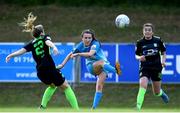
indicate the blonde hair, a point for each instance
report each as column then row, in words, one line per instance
column 28, row 23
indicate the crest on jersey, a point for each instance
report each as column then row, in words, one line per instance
column 93, row 47
column 155, row 44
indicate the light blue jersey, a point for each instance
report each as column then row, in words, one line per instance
column 95, row 45
column 99, row 55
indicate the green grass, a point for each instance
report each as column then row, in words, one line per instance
column 21, row 109
column 115, row 96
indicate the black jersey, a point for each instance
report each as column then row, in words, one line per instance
column 40, row 52
column 151, row 49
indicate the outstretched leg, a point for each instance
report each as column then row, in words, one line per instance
column 100, row 65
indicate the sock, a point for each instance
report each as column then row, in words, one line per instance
column 47, row 95
column 140, row 97
column 70, row 96
column 163, row 95
column 109, row 68
column 97, row 98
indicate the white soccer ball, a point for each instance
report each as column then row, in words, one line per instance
column 122, row 21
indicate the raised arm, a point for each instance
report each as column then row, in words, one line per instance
column 16, row 53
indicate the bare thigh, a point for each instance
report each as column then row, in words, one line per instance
column 98, row 67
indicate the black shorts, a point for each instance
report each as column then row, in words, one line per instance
column 49, row 76
column 153, row 75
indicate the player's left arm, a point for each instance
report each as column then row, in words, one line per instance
column 85, row 54
column 51, row 44
column 16, row 53
column 163, row 60
column 163, row 53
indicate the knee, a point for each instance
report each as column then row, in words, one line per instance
column 143, row 85
column 143, row 82
column 97, row 69
column 64, row 86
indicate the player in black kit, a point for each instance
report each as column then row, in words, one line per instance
column 148, row 51
column 45, row 66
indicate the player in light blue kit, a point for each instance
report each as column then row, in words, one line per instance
column 96, row 62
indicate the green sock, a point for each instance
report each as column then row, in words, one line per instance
column 140, row 97
column 47, row 95
column 70, row 96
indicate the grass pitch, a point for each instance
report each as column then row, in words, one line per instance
column 85, row 110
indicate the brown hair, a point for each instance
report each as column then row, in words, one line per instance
column 148, row 25
column 89, row 31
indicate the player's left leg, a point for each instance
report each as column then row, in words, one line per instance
column 99, row 88
column 156, row 86
column 47, row 96
column 70, row 96
column 115, row 69
column 98, row 65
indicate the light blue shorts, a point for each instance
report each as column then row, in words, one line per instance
column 91, row 69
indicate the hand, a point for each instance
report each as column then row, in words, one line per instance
column 8, row 58
column 60, row 66
column 74, row 55
column 55, row 51
column 142, row 58
column 163, row 64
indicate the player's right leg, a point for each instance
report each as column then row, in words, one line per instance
column 99, row 88
column 143, row 82
column 96, row 69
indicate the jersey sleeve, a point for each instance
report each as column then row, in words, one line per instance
column 95, row 46
column 162, row 46
column 28, row 47
column 138, row 49
column 47, row 37
column 77, row 48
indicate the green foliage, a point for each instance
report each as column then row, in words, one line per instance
column 64, row 24
column 88, row 3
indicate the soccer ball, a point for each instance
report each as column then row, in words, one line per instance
column 122, row 21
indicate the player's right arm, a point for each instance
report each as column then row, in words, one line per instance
column 140, row 58
column 138, row 52
column 16, row 53
column 70, row 55
column 64, row 61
